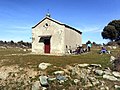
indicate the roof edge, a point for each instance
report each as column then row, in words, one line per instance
column 57, row 23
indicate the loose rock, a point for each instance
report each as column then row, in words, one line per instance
column 116, row 74
column 83, row 65
column 43, row 80
column 43, row 66
column 112, row 78
column 59, row 72
column 99, row 72
column 112, row 58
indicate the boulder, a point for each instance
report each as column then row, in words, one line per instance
column 43, row 65
column 109, row 77
column 43, row 80
column 99, row 72
column 116, row 74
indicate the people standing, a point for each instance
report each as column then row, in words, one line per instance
column 89, row 45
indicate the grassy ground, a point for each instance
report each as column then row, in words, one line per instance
column 23, row 58
column 14, row 56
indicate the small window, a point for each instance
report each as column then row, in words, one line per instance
column 46, row 24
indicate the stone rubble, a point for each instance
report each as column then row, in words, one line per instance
column 80, row 77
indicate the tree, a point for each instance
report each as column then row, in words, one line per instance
column 112, row 31
column 11, row 42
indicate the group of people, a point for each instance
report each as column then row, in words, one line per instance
column 84, row 49
column 81, row 49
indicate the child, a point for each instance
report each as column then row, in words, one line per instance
column 103, row 50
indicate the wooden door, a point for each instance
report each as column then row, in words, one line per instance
column 47, row 45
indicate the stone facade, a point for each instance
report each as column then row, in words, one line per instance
column 52, row 37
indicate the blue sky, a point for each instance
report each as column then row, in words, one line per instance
column 89, row 16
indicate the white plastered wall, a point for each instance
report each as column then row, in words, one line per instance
column 57, row 37
column 73, row 39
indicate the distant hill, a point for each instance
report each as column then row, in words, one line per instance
column 20, row 44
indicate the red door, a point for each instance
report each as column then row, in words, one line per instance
column 47, row 45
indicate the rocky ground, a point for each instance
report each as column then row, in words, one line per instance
column 71, row 77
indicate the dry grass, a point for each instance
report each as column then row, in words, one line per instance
column 60, row 61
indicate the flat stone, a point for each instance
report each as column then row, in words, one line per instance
column 43, row 66
column 83, row 65
column 109, row 77
column 59, row 72
column 116, row 74
column 99, row 72
column 51, row 79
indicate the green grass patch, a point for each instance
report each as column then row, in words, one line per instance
column 61, row 61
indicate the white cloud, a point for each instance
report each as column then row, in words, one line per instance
column 22, row 27
column 92, row 29
column 18, row 29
